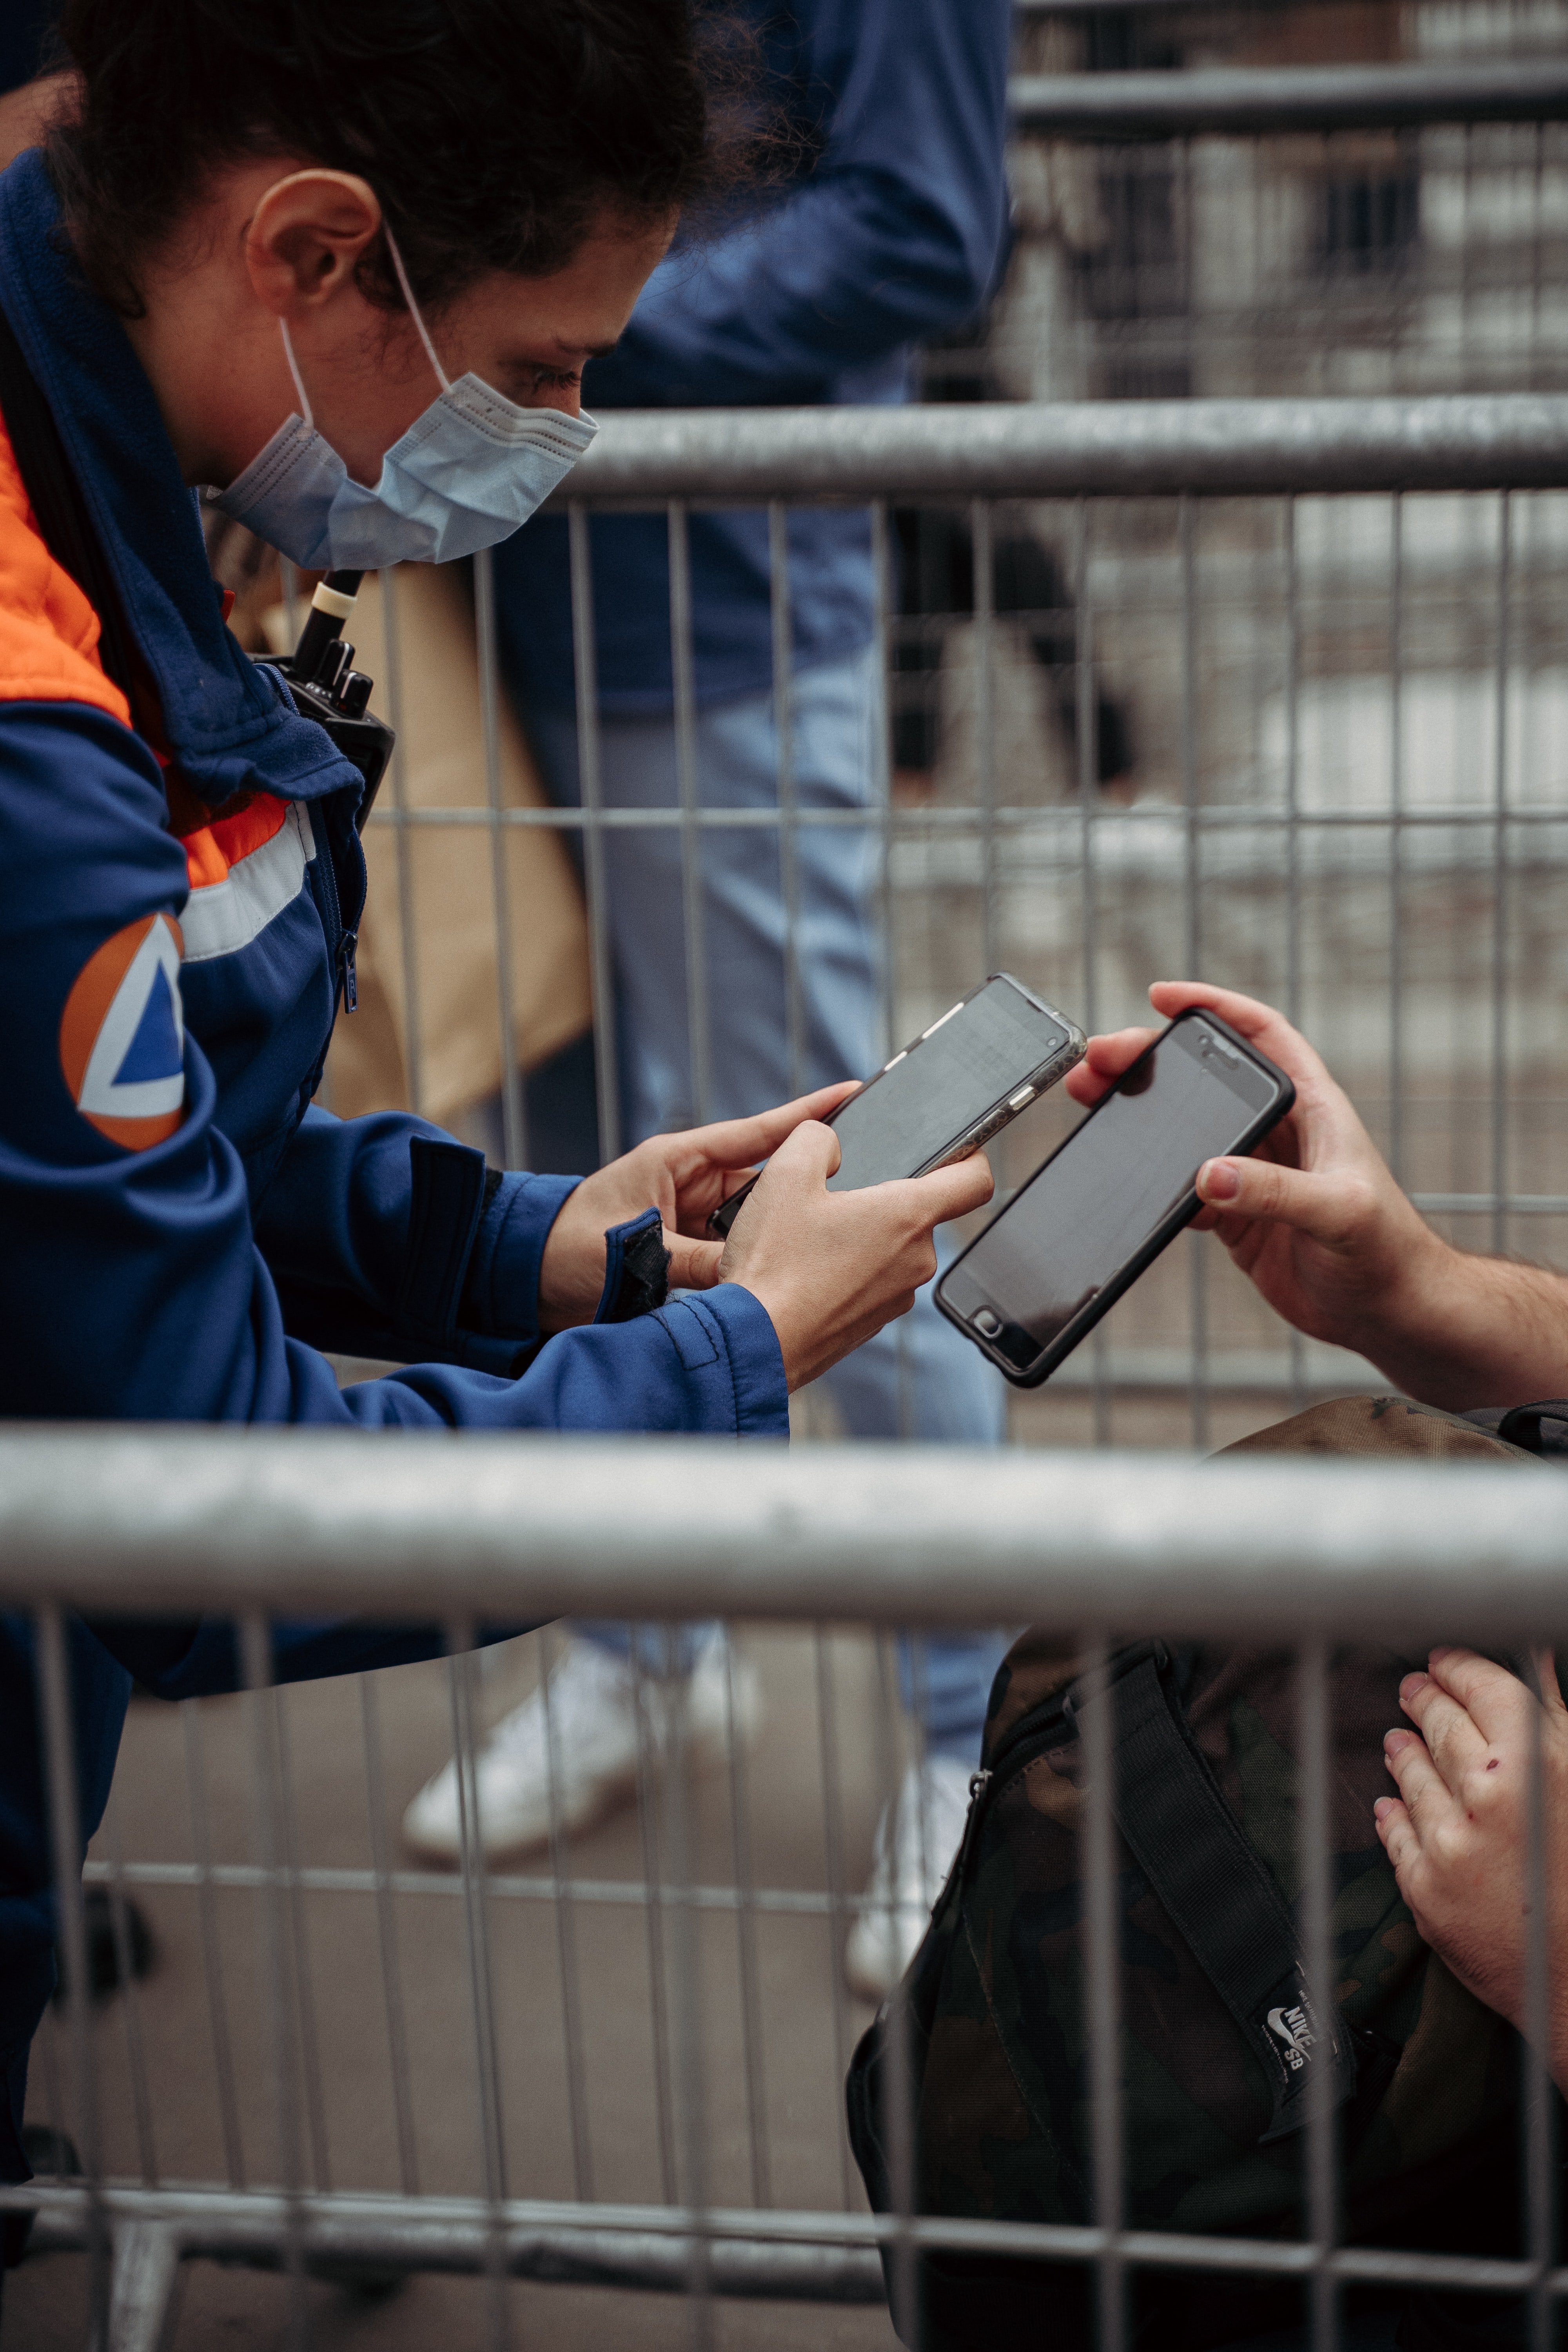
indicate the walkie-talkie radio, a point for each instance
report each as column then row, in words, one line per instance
column 325, row 685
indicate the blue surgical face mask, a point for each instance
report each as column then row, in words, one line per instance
column 467, row 473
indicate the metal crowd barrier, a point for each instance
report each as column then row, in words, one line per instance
column 253, row 1525
column 1255, row 229
column 1253, row 101
column 1339, row 630
column 1336, row 629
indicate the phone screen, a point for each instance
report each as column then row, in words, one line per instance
column 1094, row 1203
column 970, row 1061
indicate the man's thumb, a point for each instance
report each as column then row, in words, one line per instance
column 1317, row 1205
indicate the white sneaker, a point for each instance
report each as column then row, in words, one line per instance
column 916, row 1844
column 593, row 1718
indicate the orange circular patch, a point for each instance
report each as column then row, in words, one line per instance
column 108, row 999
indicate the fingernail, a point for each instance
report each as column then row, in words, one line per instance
column 1384, row 1805
column 1412, row 1684
column 1393, row 1741
column 1219, row 1179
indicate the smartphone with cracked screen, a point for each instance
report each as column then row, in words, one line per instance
column 959, row 1083
column 1099, row 1210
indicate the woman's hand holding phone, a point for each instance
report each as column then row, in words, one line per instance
column 684, row 1176
column 831, row 1268
column 1313, row 1216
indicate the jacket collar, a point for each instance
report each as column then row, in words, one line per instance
column 227, row 723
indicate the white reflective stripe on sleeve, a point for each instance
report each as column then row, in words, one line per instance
column 225, row 916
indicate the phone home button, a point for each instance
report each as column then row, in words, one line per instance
column 989, row 1324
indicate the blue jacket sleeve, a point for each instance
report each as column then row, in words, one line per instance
column 895, row 236
column 382, row 1241
column 131, row 1286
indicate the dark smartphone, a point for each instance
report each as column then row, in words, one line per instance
column 956, row 1086
column 1111, row 1198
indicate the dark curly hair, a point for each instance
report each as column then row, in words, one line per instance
column 494, row 132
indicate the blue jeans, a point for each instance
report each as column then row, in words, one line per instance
column 919, row 1377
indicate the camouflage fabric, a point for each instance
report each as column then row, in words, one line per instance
column 993, row 2005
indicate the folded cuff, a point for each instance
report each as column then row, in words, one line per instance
column 502, row 1289
column 729, row 1326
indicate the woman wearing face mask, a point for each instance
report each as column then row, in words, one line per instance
column 342, row 268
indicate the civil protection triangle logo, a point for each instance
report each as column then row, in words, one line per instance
column 122, row 1036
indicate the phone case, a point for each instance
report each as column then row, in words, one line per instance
column 991, row 1123
column 1165, row 1234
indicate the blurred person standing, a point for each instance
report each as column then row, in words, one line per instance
column 888, row 231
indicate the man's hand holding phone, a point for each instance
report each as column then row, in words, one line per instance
column 1317, row 1221
column 831, row 1268
column 1313, row 1216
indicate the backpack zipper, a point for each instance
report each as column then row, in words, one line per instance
column 978, row 1784
column 1054, row 1722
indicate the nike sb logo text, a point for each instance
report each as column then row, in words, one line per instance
column 1292, row 2027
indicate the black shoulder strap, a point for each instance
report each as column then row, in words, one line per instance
column 1216, row 1888
column 56, row 499
column 1523, row 1425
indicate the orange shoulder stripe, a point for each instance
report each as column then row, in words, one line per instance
column 48, row 653
column 48, row 631
column 213, row 844
column 213, row 849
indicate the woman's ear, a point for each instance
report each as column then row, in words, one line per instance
column 305, row 237
column 26, row 114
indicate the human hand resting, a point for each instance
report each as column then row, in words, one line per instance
column 1314, row 1217
column 1457, row 1831
column 832, row 1267
column 685, row 1177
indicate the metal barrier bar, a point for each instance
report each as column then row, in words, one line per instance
column 793, row 2256
column 1498, row 1170
column 1312, row 1703
column 591, row 787
column 298, row 1521
column 1247, row 101
column 782, row 616
column 565, row 1938
column 1155, row 816
column 1102, row 1962
column 64, row 1814
column 255, row 1649
column 205, row 1879
column 382, row 1880
column 689, row 783
column 1192, row 931
column 514, row 1130
column 1113, row 449
column 1202, row 9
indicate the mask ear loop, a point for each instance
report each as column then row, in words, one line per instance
column 305, row 409
column 442, row 378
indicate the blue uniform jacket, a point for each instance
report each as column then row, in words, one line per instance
column 181, row 1228
column 892, row 235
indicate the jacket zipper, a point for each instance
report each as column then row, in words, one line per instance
column 345, row 978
